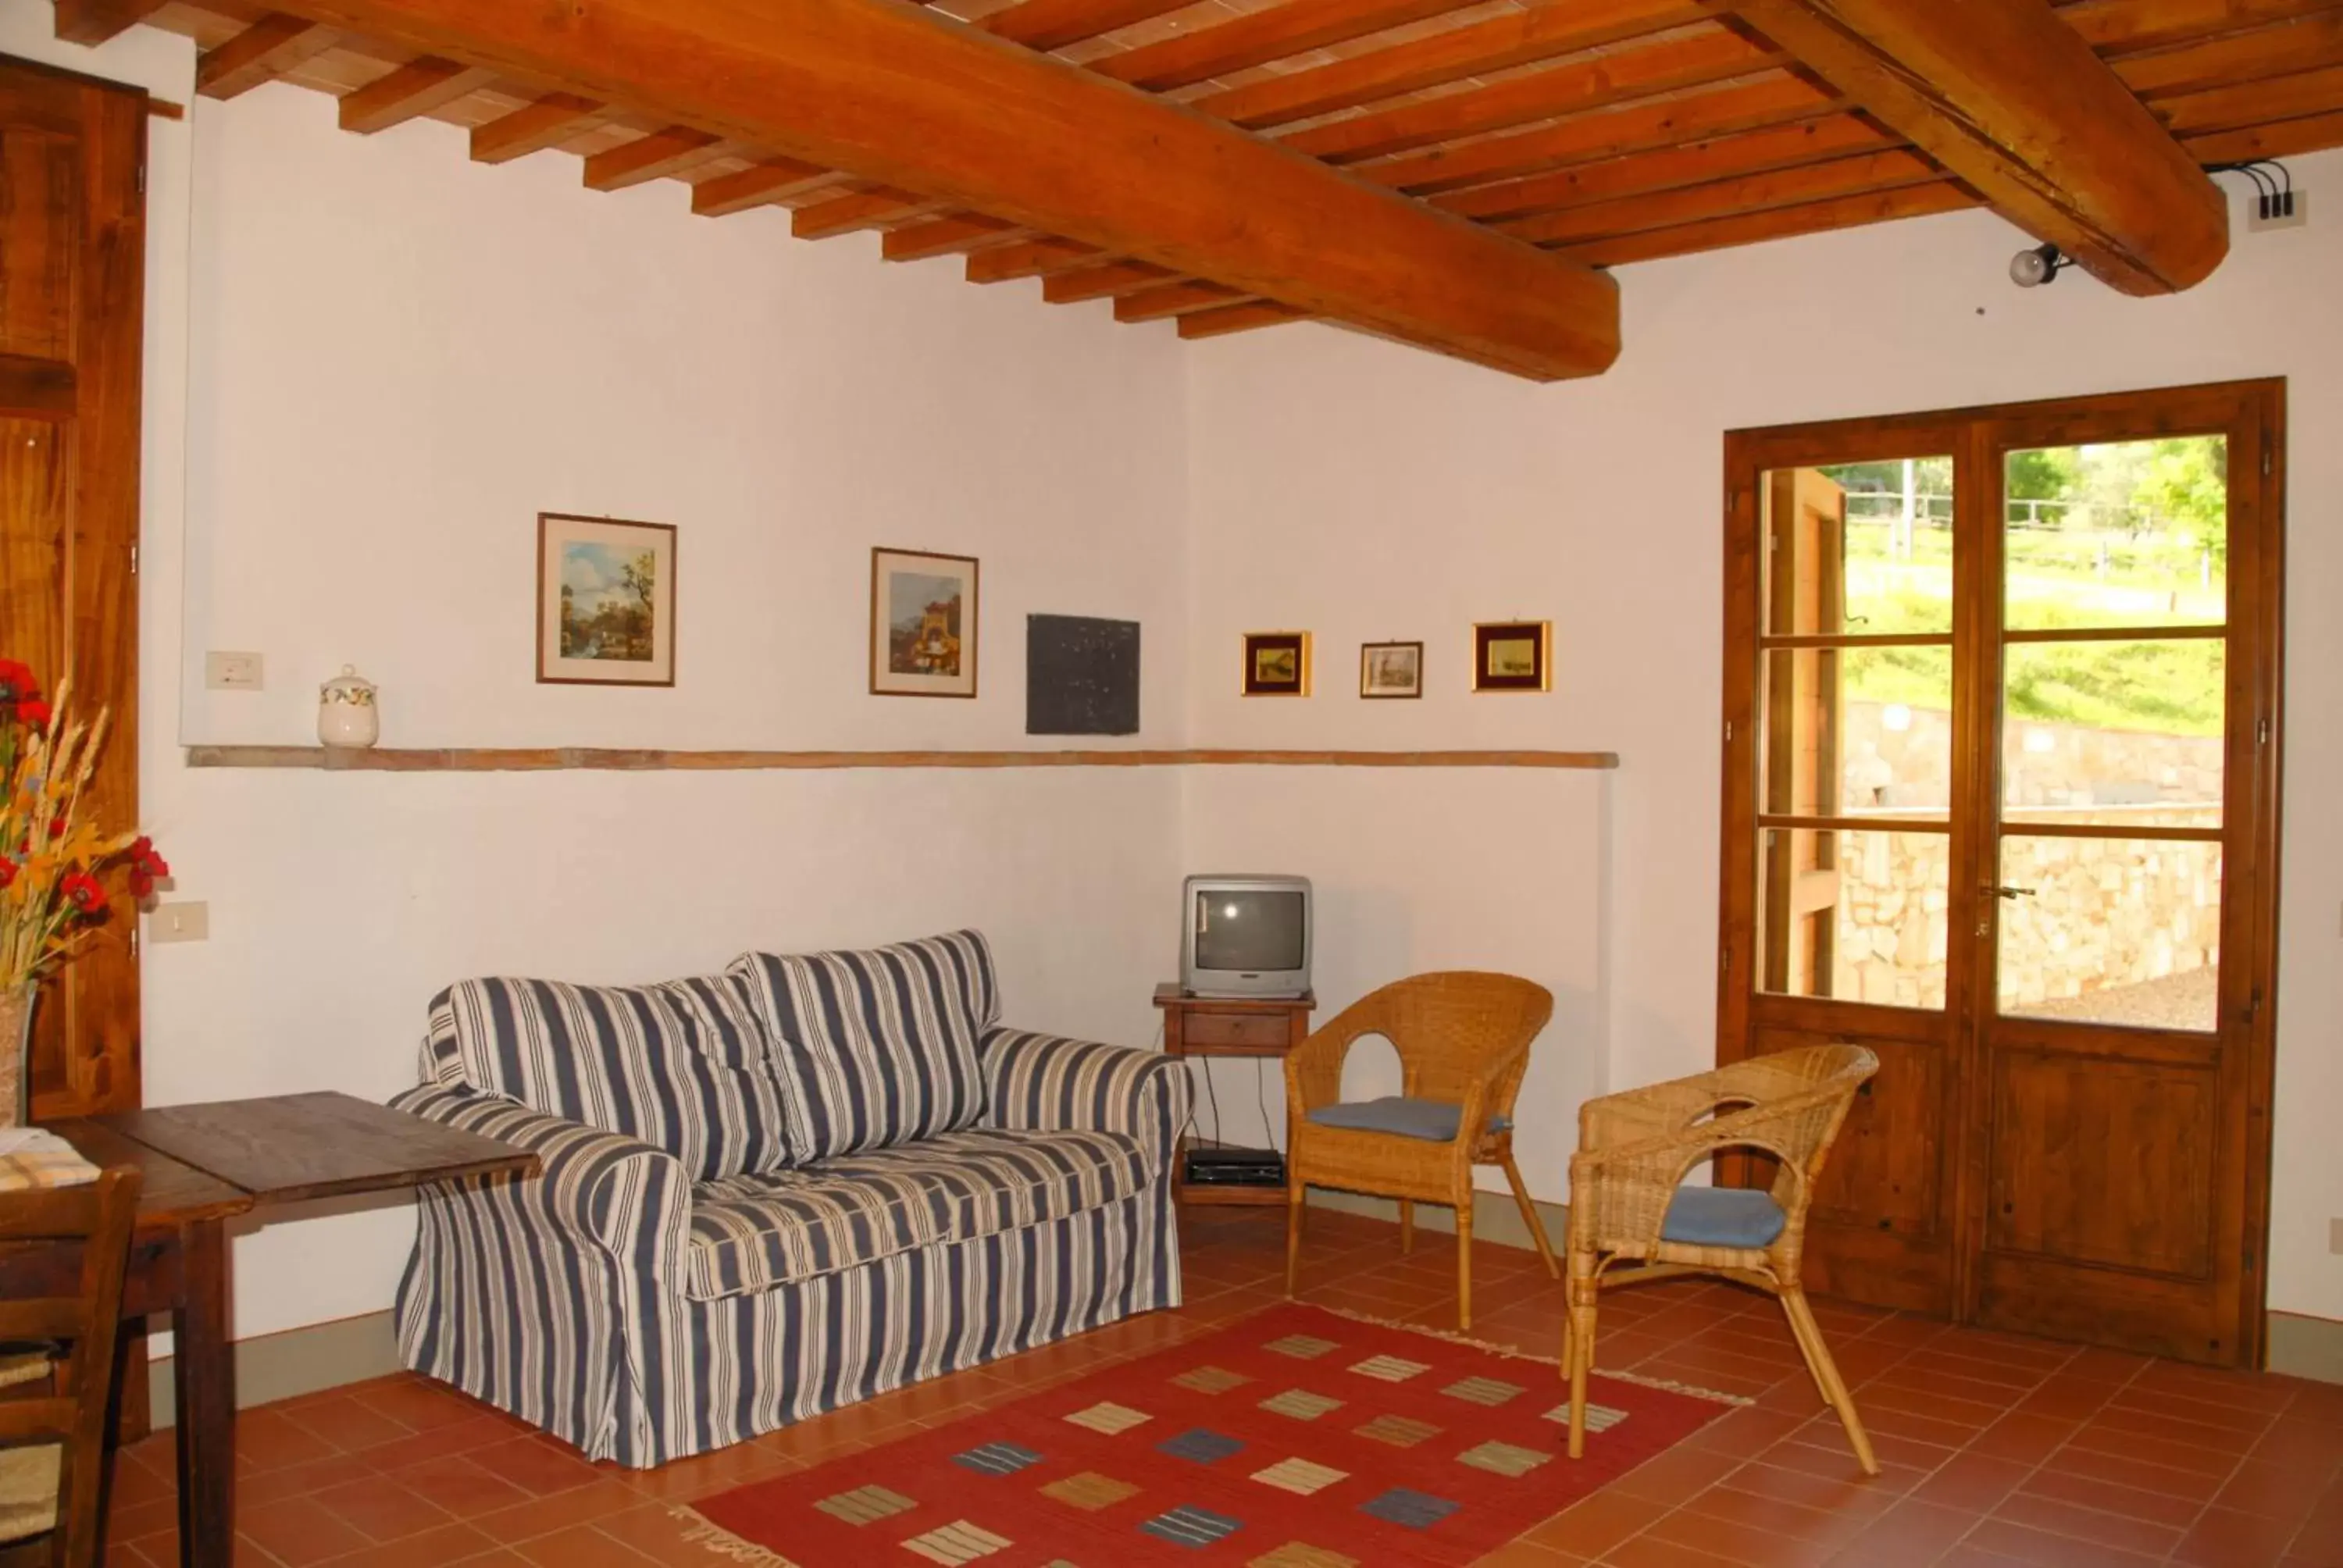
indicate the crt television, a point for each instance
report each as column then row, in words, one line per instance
column 1245, row 936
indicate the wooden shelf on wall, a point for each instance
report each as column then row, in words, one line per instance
column 538, row 759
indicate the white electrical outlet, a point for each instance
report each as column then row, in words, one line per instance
column 2291, row 211
column 185, row 921
column 231, row 671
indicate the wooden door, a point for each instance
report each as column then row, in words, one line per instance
column 73, row 252
column 2046, row 713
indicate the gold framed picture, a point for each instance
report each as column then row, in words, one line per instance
column 605, row 601
column 1277, row 664
column 923, row 621
column 1390, row 670
column 1513, row 655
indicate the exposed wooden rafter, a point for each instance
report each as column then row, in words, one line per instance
column 655, row 156
column 261, row 52
column 910, row 99
column 408, row 92
column 96, row 21
column 533, row 127
column 2012, row 100
column 762, row 184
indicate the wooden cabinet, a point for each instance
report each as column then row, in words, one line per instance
column 1224, row 1026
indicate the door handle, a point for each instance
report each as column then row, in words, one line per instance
column 2008, row 892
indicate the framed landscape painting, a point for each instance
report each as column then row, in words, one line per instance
column 922, row 624
column 605, row 601
column 1390, row 670
column 1277, row 664
column 1513, row 655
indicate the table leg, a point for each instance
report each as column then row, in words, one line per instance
column 205, row 1376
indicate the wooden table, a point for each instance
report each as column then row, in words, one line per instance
column 1230, row 1026
column 202, row 1166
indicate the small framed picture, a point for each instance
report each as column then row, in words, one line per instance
column 922, row 624
column 1390, row 670
column 1513, row 655
column 1277, row 664
column 605, row 601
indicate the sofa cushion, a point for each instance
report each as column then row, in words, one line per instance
column 1723, row 1217
column 750, row 1232
column 878, row 1046
column 682, row 1066
column 1433, row 1121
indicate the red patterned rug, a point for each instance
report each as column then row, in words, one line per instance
column 1296, row 1438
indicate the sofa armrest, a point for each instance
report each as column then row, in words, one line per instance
column 620, row 1193
column 1044, row 1081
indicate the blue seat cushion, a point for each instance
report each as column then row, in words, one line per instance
column 1723, row 1217
column 1433, row 1121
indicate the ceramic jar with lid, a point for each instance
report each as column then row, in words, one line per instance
column 347, row 714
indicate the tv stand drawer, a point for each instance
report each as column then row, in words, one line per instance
column 1235, row 1030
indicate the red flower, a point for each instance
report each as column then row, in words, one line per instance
column 141, row 885
column 81, row 891
column 34, row 712
column 144, row 859
column 17, row 682
column 56, row 827
column 7, row 871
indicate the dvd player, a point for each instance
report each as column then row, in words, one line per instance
column 1227, row 1165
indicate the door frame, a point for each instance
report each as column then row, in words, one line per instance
column 2250, row 857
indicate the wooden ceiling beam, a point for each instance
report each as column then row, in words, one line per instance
column 955, row 234
column 2013, row 101
column 2123, row 26
column 763, row 184
column 1863, row 173
column 1256, row 37
column 1167, row 300
column 897, row 95
column 551, row 121
column 2285, row 139
column 1029, row 258
column 412, row 90
column 652, row 158
column 2302, row 44
column 1782, row 222
column 97, row 21
column 858, row 210
column 2257, row 103
column 1047, row 24
column 1500, row 44
column 1776, row 99
column 1230, row 319
column 1693, row 59
column 1109, row 280
column 1670, row 169
column 261, row 52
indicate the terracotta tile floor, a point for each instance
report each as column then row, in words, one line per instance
column 1998, row 1451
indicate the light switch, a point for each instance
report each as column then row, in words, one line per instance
column 231, row 671
column 185, row 921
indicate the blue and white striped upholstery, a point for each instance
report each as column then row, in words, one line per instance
column 681, row 1066
column 566, row 1302
column 878, row 1046
column 752, row 1232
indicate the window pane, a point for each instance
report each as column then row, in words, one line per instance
column 1853, row 730
column 2112, row 930
column 1859, row 548
column 2132, row 533
column 1859, row 916
column 2119, row 732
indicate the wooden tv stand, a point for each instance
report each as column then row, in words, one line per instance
column 1230, row 1026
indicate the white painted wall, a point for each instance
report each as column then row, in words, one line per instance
column 1365, row 491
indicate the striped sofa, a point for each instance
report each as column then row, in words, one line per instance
column 776, row 1190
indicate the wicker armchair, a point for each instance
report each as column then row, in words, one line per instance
column 1463, row 1041
column 1626, row 1206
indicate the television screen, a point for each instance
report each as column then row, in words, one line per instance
column 1249, row 932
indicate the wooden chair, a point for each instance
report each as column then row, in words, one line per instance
column 1463, row 1041
column 1627, row 1206
column 53, row 1422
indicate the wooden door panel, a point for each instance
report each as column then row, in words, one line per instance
column 73, row 250
column 2104, row 1161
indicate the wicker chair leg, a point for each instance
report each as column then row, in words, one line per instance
column 1825, row 1370
column 1407, row 1225
column 1297, row 1196
column 1464, row 1260
column 1580, row 1353
column 1530, row 1218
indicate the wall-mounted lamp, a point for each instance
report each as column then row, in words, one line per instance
column 2041, row 264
